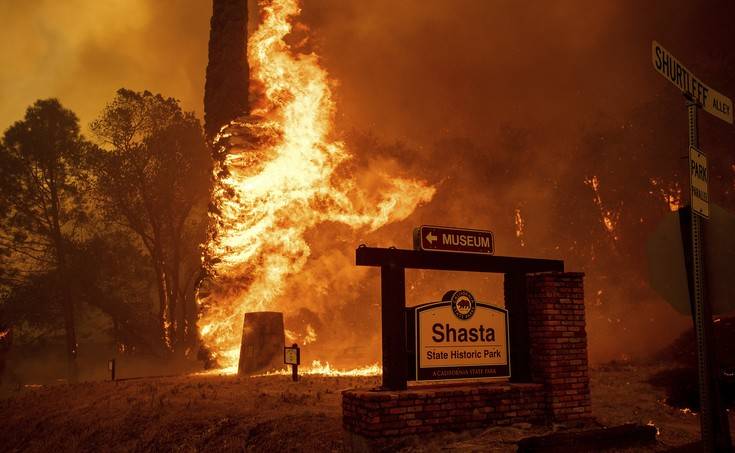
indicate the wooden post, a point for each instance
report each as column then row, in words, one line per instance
column 295, row 366
column 393, row 320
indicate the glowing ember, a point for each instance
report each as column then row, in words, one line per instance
column 317, row 369
column 277, row 180
column 520, row 227
column 326, row 370
column 651, row 423
column 310, row 336
column 609, row 217
column 671, row 194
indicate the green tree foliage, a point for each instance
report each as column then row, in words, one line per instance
column 153, row 177
column 42, row 181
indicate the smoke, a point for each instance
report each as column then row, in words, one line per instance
column 509, row 108
column 500, row 105
column 82, row 51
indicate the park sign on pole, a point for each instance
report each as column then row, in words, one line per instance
column 292, row 356
column 698, row 178
column 447, row 239
column 713, row 418
column 461, row 339
column 710, row 100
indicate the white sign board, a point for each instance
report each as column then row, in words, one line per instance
column 710, row 100
column 461, row 339
column 291, row 356
column 698, row 179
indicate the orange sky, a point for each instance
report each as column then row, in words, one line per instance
column 413, row 70
column 81, row 51
column 408, row 68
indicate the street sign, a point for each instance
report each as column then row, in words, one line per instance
column 698, row 179
column 710, row 100
column 667, row 268
column 447, row 239
column 461, row 339
column 713, row 419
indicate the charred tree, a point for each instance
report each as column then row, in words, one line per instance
column 226, row 88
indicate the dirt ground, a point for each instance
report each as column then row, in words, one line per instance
column 271, row 413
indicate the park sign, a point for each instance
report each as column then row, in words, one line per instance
column 710, row 100
column 447, row 239
column 698, row 178
column 461, row 339
column 292, row 355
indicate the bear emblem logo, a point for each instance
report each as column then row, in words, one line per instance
column 463, row 304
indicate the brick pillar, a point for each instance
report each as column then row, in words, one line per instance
column 558, row 343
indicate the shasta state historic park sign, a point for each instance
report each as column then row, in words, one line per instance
column 461, row 339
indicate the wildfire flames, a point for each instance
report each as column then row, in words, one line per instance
column 671, row 195
column 520, row 226
column 609, row 217
column 318, row 369
column 282, row 174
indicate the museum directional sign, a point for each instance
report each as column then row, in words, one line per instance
column 461, row 339
column 447, row 239
column 711, row 101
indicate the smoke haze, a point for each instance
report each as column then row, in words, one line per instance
column 507, row 108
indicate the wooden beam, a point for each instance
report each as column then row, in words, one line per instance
column 393, row 326
column 452, row 261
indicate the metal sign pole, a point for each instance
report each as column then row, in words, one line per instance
column 714, row 430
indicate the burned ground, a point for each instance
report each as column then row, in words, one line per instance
column 227, row 413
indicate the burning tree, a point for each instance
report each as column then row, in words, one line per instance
column 153, row 178
column 280, row 174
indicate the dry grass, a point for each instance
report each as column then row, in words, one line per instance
column 226, row 413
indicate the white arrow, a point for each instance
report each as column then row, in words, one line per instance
column 431, row 238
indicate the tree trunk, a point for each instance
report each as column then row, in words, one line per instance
column 162, row 299
column 173, row 300
column 69, row 325
column 67, row 305
column 63, row 281
column 189, row 308
column 226, row 87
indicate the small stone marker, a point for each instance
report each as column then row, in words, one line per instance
column 262, row 342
